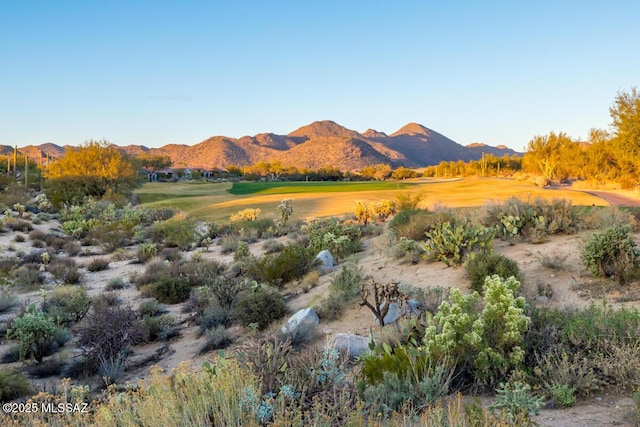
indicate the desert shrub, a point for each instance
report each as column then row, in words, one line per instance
column 46, row 369
column 38, row 244
column 611, row 216
column 54, row 241
column 105, row 299
column 72, row 248
column 612, row 253
column 553, row 261
column 16, row 224
column 160, row 327
column 413, row 224
column 178, row 231
column 348, row 282
column 212, row 316
column 310, row 280
column 29, row 276
column 620, row 365
column 11, row 354
column 65, row 271
column 341, row 239
column 13, row 384
column 265, row 357
column 455, row 243
column 8, row 299
column 397, row 392
column 260, row 306
column 67, row 304
column 98, row 264
column 171, row 290
column 575, row 371
column 100, row 343
column 242, row 251
column 331, row 308
column 116, row 283
column 229, row 243
column 515, row 400
column 563, row 395
column 151, row 308
column 362, row 212
column 408, row 249
column 170, row 254
column 383, row 209
column 216, row 338
column 487, row 264
column 484, row 333
column 249, row 214
column 35, row 332
column 278, row 269
column 271, row 246
column 146, row 251
column 19, row 238
column 516, row 219
column 561, row 216
column 407, row 201
column 37, row 235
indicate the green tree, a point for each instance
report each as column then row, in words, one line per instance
column 625, row 113
column 152, row 163
column 91, row 170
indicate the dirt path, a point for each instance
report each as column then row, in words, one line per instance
column 616, row 199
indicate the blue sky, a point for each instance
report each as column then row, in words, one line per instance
column 160, row 72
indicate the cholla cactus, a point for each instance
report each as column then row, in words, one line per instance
column 286, row 209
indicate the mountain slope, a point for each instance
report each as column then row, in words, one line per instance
column 315, row 145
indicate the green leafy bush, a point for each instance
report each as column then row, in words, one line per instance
column 516, row 401
column 455, row 243
column 487, row 264
column 341, row 239
column 13, row 384
column 67, row 304
column 178, row 231
column 348, row 283
column 146, row 251
column 159, row 327
column 486, row 333
column 35, row 332
column 260, row 306
column 278, row 269
column 612, row 253
column 408, row 249
column 563, row 395
column 171, row 290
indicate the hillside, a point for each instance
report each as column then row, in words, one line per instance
column 318, row 144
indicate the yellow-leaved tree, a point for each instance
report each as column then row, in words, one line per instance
column 94, row 169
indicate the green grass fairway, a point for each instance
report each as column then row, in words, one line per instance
column 216, row 202
column 241, row 188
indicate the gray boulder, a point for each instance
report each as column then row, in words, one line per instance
column 301, row 325
column 353, row 345
column 326, row 259
column 392, row 315
column 413, row 308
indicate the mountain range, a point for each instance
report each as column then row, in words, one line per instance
column 318, row 144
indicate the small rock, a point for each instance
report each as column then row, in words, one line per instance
column 353, row 345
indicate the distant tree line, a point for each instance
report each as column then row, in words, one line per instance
column 276, row 171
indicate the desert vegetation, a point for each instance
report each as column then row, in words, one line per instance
column 495, row 332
